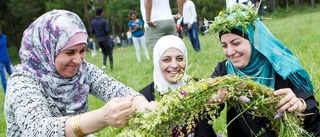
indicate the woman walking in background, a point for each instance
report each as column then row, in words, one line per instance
column 135, row 27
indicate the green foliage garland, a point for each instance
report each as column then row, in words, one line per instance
column 188, row 103
column 238, row 15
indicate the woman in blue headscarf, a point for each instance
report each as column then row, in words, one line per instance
column 253, row 51
column 48, row 92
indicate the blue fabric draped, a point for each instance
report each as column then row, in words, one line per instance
column 268, row 56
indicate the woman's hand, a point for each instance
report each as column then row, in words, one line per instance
column 220, row 97
column 117, row 111
column 152, row 105
column 289, row 102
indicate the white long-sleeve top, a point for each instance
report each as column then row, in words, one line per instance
column 160, row 11
column 189, row 12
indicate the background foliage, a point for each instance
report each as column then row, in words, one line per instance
column 16, row 15
column 298, row 30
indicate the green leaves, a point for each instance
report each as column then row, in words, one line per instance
column 188, row 103
column 238, row 15
column 157, row 94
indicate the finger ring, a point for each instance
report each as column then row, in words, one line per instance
column 291, row 103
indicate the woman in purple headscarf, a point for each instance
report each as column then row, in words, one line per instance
column 47, row 94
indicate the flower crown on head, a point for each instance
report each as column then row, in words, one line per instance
column 238, row 15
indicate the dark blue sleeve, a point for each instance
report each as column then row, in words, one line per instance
column 106, row 27
column 92, row 30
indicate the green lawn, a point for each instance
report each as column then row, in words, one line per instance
column 300, row 33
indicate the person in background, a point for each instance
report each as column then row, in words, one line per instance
column 231, row 3
column 257, row 5
column 252, row 51
column 179, row 31
column 201, row 26
column 135, row 27
column 158, row 19
column 100, row 28
column 118, row 41
column 112, row 45
column 92, row 47
column 170, row 59
column 48, row 92
column 123, row 40
column 5, row 63
column 206, row 24
column 129, row 37
column 190, row 23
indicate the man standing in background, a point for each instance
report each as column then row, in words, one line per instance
column 5, row 63
column 190, row 22
column 158, row 20
column 100, row 28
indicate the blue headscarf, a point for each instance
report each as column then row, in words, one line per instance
column 268, row 56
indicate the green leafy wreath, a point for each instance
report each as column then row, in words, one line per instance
column 188, row 103
column 238, row 15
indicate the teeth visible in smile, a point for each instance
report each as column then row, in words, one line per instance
column 173, row 72
column 235, row 57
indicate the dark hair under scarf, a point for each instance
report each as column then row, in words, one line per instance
column 235, row 31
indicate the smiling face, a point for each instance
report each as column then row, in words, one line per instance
column 133, row 16
column 68, row 61
column 171, row 63
column 237, row 49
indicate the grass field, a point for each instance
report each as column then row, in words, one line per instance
column 299, row 32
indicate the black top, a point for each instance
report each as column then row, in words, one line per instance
column 245, row 125
column 122, row 37
column 100, row 28
column 203, row 129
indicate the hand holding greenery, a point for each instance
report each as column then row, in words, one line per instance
column 188, row 103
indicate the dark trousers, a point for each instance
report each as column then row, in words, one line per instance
column 5, row 66
column 106, row 49
column 193, row 36
column 180, row 34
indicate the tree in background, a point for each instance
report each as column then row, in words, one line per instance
column 16, row 15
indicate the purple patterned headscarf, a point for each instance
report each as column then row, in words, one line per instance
column 41, row 43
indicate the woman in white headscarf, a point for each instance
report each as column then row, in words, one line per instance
column 170, row 59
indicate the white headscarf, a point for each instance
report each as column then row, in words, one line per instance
column 164, row 43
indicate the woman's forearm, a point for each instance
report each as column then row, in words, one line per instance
column 89, row 123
